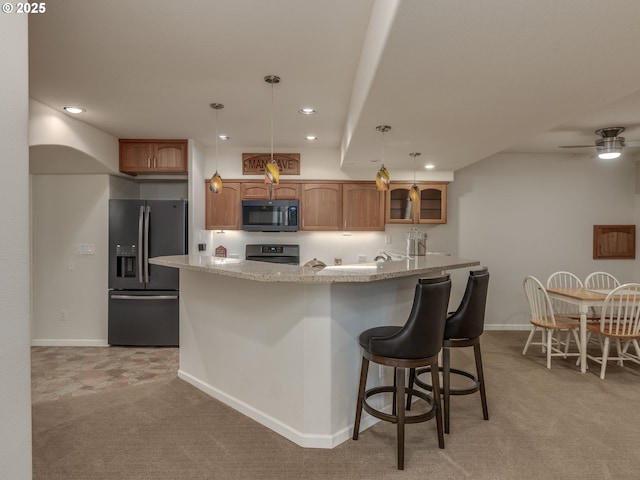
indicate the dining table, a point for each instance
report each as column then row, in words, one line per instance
column 584, row 298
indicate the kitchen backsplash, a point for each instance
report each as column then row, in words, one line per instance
column 351, row 247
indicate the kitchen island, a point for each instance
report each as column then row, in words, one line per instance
column 279, row 343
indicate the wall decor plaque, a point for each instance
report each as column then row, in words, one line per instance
column 614, row 241
column 254, row 163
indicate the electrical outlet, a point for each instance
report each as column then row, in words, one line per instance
column 387, row 239
column 64, row 314
column 380, row 371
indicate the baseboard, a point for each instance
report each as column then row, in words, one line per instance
column 496, row 326
column 299, row 438
column 65, row 342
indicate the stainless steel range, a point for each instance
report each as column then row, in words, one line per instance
column 287, row 254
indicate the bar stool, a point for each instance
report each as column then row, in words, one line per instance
column 416, row 344
column 463, row 328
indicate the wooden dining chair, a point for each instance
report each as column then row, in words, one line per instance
column 619, row 321
column 599, row 281
column 544, row 319
column 564, row 279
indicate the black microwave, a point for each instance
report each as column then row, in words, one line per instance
column 270, row 215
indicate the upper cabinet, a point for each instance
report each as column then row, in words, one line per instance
column 222, row 210
column 362, row 206
column 153, row 156
column 284, row 191
column 431, row 208
column 321, row 206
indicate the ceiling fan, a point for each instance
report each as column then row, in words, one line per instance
column 610, row 145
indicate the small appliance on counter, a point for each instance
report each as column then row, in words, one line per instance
column 315, row 264
column 286, row 254
column 143, row 298
column 416, row 243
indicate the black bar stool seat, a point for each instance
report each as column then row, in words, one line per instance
column 416, row 344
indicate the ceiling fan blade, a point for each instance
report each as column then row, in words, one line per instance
column 576, row 146
column 632, row 143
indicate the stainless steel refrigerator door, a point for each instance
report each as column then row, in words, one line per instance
column 143, row 318
column 167, row 235
column 125, row 249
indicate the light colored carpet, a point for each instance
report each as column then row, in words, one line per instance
column 543, row 423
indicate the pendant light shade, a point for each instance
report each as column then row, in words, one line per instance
column 414, row 192
column 382, row 177
column 271, row 170
column 215, row 184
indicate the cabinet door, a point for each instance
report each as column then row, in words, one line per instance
column 262, row 190
column 321, row 206
column 222, row 210
column 254, row 190
column 286, row 191
column 433, row 204
column 136, row 157
column 362, row 207
column 399, row 208
column 170, row 157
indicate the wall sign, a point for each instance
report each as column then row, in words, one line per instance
column 254, row 163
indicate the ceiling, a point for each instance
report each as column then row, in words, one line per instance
column 457, row 81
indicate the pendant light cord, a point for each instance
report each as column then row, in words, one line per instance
column 272, row 122
column 216, row 140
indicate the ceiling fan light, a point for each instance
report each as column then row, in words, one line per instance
column 609, row 154
column 610, row 148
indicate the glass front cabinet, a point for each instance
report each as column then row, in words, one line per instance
column 431, row 207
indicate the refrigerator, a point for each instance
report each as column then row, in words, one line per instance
column 143, row 298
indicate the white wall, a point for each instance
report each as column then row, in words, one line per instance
column 69, row 210
column 15, row 373
column 52, row 127
column 526, row 214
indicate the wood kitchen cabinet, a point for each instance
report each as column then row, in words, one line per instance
column 321, row 206
column 362, row 206
column 153, row 156
column 261, row 190
column 222, row 210
column 431, row 208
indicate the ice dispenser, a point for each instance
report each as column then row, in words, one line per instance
column 126, row 260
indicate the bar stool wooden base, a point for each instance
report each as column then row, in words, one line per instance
column 401, row 393
column 477, row 381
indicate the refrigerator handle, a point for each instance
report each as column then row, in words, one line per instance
column 146, row 244
column 140, row 244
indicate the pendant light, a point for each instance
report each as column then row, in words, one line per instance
column 414, row 193
column 382, row 177
column 215, row 184
column 271, row 170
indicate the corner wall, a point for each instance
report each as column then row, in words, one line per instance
column 69, row 288
column 533, row 214
column 15, row 364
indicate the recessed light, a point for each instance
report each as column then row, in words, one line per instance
column 307, row 111
column 429, row 166
column 72, row 109
column 224, row 137
column 311, row 137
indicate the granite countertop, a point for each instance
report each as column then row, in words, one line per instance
column 274, row 272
